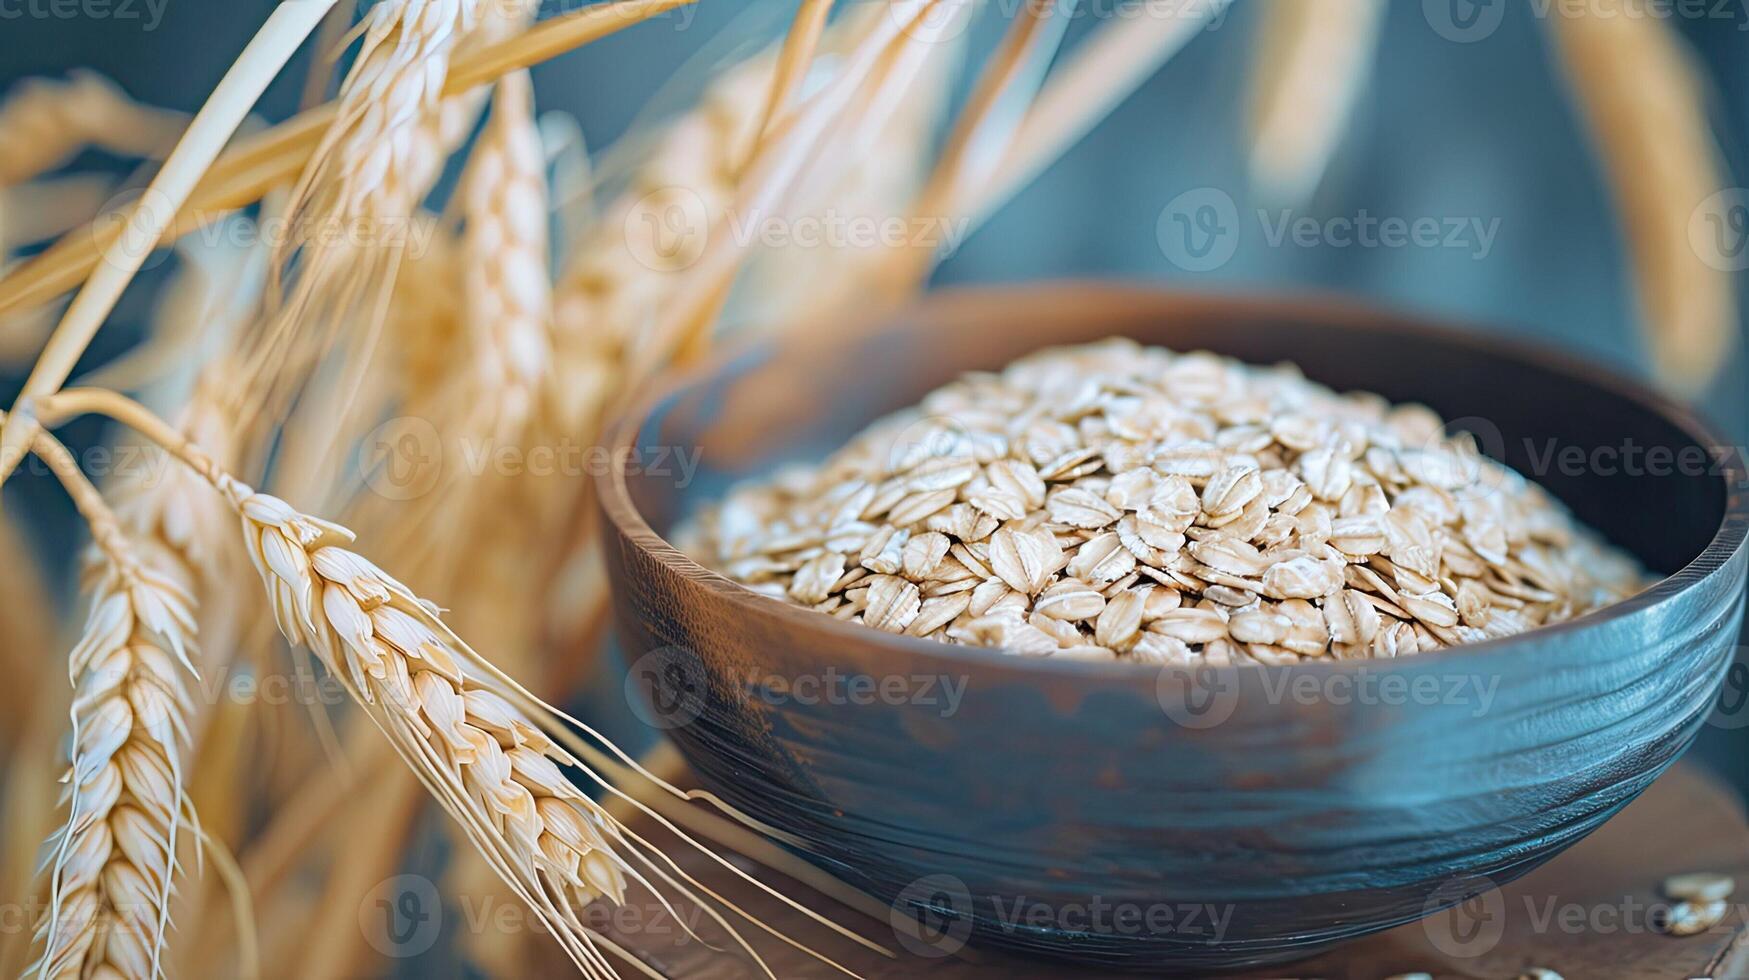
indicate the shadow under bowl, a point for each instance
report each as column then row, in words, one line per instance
column 1124, row 816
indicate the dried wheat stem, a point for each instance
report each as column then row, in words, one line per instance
column 775, row 170
column 482, row 745
column 393, row 130
column 43, row 122
column 985, row 127
column 792, row 66
column 1645, row 102
column 1094, row 79
column 365, row 166
column 30, row 631
column 1312, row 60
column 277, row 156
column 223, row 112
column 113, row 863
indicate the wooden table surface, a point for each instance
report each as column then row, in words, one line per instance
column 1586, row 914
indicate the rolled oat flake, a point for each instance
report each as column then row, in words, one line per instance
column 1113, row 501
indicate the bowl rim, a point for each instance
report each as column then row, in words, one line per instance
column 614, row 496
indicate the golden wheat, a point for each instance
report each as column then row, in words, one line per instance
column 507, row 302
column 112, row 865
column 43, row 122
column 1311, row 62
column 1644, row 99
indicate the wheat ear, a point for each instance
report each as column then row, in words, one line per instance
column 1645, row 103
column 112, row 866
column 486, row 749
column 371, row 161
column 1312, row 60
column 508, row 302
column 44, row 121
column 274, row 158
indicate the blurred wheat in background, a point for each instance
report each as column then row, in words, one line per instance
column 426, row 260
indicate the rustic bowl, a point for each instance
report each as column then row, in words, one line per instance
column 1124, row 816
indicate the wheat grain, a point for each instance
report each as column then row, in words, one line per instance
column 1312, row 60
column 1119, row 501
column 115, row 859
column 374, row 158
column 492, row 766
column 113, row 864
column 1691, row 918
column 508, row 308
column 1645, row 102
column 1700, row 886
column 496, row 772
column 494, row 757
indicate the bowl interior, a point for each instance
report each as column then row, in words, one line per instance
column 1635, row 467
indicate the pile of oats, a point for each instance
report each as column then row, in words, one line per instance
column 1112, row 500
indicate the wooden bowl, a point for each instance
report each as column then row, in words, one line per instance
column 1124, row 816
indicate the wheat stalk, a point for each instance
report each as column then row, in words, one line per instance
column 493, row 755
column 33, row 696
column 507, row 300
column 218, row 119
column 1312, row 59
column 1645, row 103
column 481, row 390
column 30, row 631
column 269, row 160
column 113, row 863
column 44, row 122
column 618, row 318
column 376, row 159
